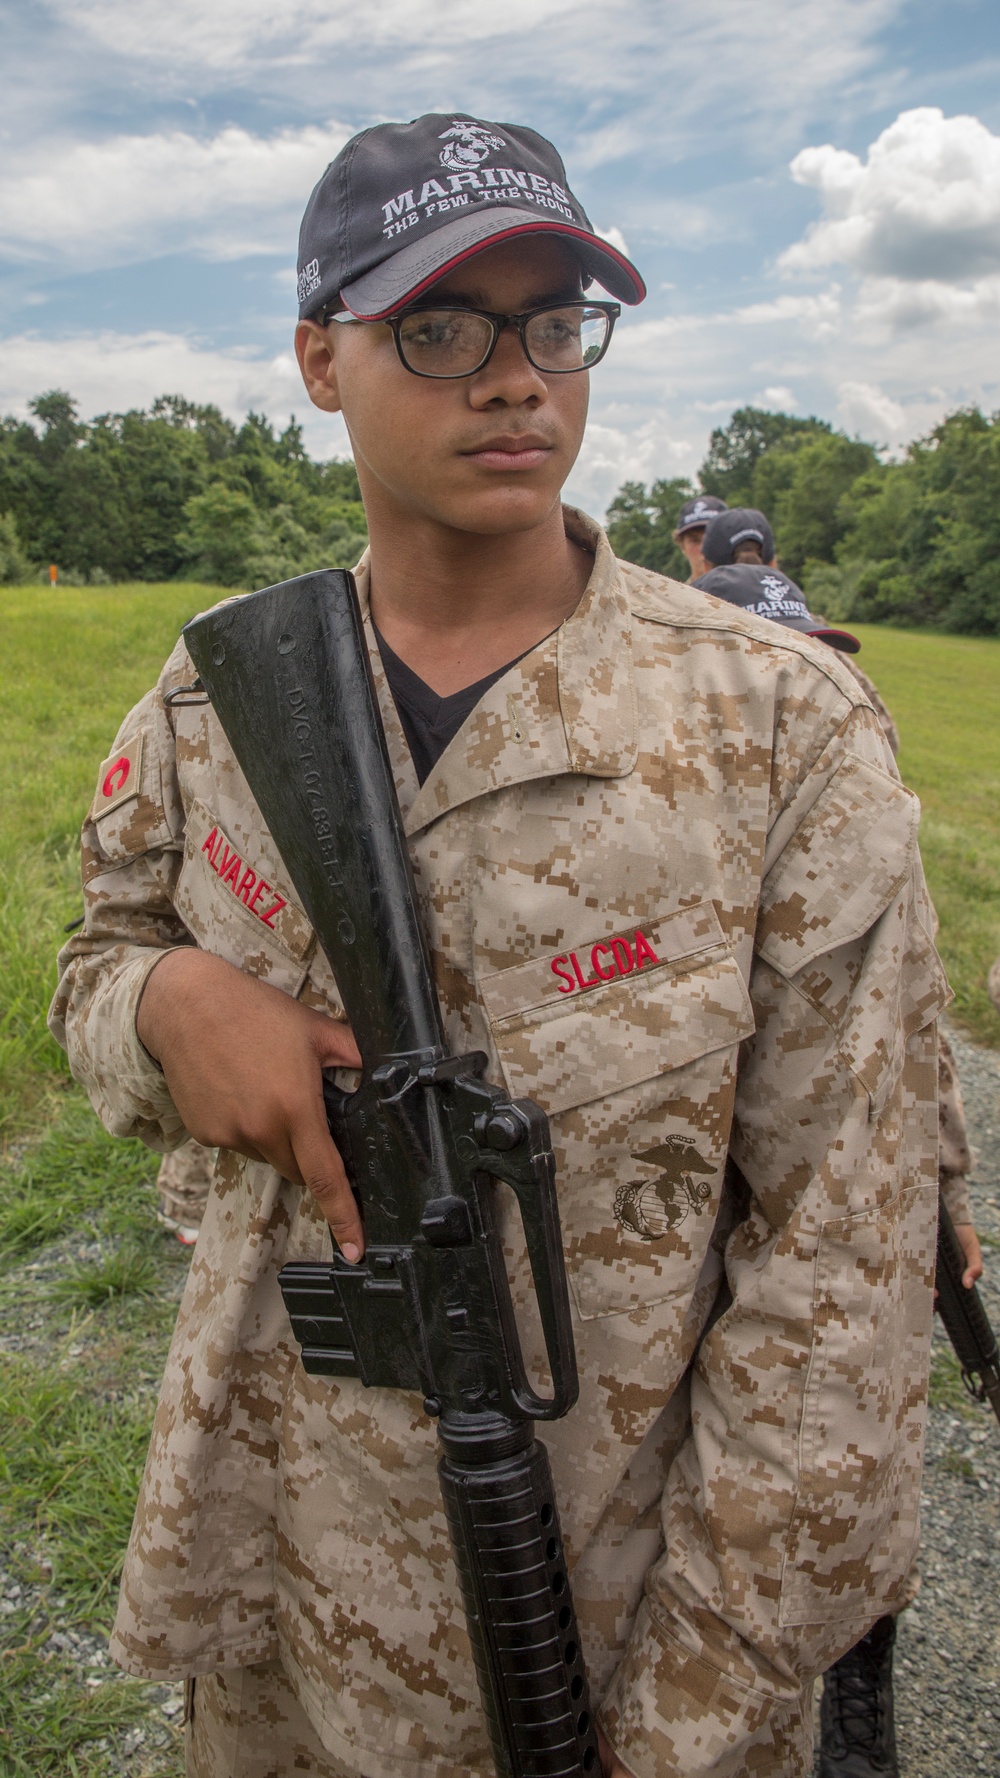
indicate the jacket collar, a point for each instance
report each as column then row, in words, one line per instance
column 568, row 706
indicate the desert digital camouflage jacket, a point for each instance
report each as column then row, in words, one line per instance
column 671, row 886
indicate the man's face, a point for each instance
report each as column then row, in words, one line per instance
column 487, row 453
column 689, row 543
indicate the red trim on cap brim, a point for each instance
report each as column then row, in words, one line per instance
column 523, row 228
column 841, row 639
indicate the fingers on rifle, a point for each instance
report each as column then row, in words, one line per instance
column 323, row 1173
column 336, row 1047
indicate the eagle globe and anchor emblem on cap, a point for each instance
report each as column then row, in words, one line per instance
column 651, row 1208
column 467, row 145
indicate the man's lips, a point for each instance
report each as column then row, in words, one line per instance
column 515, row 451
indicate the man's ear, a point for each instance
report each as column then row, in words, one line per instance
column 315, row 351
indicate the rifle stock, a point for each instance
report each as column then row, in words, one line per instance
column 965, row 1319
column 423, row 1138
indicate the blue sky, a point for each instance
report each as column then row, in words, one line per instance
column 810, row 187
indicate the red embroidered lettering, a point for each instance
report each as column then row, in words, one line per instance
column 249, row 879
column 211, row 844
column 275, row 908
column 644, row 951
column 606, row 975
column 566, row 985
column 263, row 888
column 622, row 951
column 223, row 862
column 232, row 870
column 592, row 983
column 117, row 776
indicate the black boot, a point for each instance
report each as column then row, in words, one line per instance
column 857, row 1735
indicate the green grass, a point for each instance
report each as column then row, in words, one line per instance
column 75, row 1414
column 944, row 692
column 76, row 1407
column 946, row 1389
column 75, row 659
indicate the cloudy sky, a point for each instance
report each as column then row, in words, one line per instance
column 810, row 187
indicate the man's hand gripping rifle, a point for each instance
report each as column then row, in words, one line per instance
column 422, row 1139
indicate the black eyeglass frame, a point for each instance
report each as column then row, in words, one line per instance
column 499, row 324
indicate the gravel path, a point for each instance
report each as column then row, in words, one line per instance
column 947, row 1663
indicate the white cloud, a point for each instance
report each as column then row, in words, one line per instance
column 110, row 372
column 866, row 409
column 615, row 238
column 925, row 205
column 776, row 395
column 818, row 317
column 887, row 306
column 130, row 197
column 614, row 454
column 604, row 64
column 231, row 32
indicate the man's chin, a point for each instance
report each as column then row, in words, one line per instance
column 501, row 511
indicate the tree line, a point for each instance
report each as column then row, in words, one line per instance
column 913, row 542
column 175, row 492
column 180, row 491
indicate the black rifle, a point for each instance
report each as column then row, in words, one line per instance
column 965, row 1320
column 423, row 1139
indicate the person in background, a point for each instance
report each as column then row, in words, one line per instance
column 694, row 515
column 857, row 1734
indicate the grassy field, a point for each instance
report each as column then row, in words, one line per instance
column 944, row 692
column 89, row 1283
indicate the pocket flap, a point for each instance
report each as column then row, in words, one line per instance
column 619, row 1011
column 236, row 907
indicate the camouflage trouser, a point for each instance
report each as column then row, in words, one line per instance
column 184, row 1182
column 249, row 1724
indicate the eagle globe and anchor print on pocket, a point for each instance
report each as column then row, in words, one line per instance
column 629, row 1043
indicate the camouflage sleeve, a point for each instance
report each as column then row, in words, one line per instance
column 131, row 848
column 791, row 1511
column 955, row 1155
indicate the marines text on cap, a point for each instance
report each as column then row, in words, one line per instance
column 403, row 203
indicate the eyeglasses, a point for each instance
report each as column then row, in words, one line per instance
column 456, row 342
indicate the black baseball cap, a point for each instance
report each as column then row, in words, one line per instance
column 769, row 593
column 405, row 202
column 740, row 524
column 697, row 513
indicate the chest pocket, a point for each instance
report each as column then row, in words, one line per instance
column 235, row 905
column 630, row 1044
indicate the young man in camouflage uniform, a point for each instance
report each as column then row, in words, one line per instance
column 671, row 887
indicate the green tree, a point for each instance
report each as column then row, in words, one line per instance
column 640, row 525
column 925, row 534
column 734, row 451
column 802, row 490
column 222, row 534
column 15, row 568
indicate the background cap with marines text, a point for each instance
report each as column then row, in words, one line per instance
column 404, row 203
column 769, row 593
column 697, row 512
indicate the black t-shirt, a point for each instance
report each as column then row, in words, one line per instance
column 430, row 722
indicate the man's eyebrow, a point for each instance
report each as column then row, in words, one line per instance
column 480, row 299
